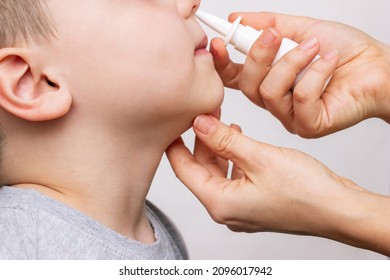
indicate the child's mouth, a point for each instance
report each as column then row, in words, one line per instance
column 201, row 47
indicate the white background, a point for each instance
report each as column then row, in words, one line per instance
column 361, row 153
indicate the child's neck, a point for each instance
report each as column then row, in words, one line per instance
column 105, row 178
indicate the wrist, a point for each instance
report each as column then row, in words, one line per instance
column 361, row 221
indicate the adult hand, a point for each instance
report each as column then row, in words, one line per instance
column 360, row 65
column 277, row 189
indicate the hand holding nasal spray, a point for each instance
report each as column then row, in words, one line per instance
column 243, row 37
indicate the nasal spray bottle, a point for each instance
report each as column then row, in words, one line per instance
column 243, row 37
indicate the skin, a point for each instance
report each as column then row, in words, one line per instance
column 277, row 189
column 347, row 55
column 284, row 190
column 94, row 140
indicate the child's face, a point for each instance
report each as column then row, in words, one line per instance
column 135, row 59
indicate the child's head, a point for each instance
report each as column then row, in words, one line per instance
column 21, row 20
column 126, row 68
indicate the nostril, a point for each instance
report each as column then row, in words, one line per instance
column 194, row 9
column 188, row 8
column 50, row 83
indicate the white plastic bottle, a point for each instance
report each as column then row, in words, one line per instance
column 243, row 37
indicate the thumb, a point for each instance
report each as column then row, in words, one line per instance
column 229, row 143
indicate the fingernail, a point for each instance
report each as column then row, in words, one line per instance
column 308, row 44
column 269, row 36
column 205, row 124
column 331, row 55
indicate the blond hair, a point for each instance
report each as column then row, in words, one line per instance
column 22, row 21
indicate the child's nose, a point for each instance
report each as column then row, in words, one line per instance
column 188, row 8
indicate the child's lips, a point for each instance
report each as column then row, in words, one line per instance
column 201, row 47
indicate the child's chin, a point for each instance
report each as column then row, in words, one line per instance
column 219, row 94
column 215, row 103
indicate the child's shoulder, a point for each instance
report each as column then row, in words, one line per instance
column 15, row 204
column 35, row 226
column 17, row 225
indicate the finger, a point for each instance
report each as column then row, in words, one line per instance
column 275, row 90
column 258, row 64
column 292, row 27
column 237, row 172
column 216, row 166
column 229, row 143
column 227, row 69
column 309, row 111
column 193, row 175
column 202, row 153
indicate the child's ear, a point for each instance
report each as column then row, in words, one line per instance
column 29, row 93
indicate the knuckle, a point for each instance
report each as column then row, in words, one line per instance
column 301, row 94
column 245, row 86
column 217, row 218
column 304, row 133
column 287, row 61
column 290, row 129
column 266, row 92
column 235, row 228
column 226, row 142
column 317, row 71
column 307, row 130
column 256, row 55
column 291, row 63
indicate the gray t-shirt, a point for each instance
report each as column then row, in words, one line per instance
column 34, row 226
